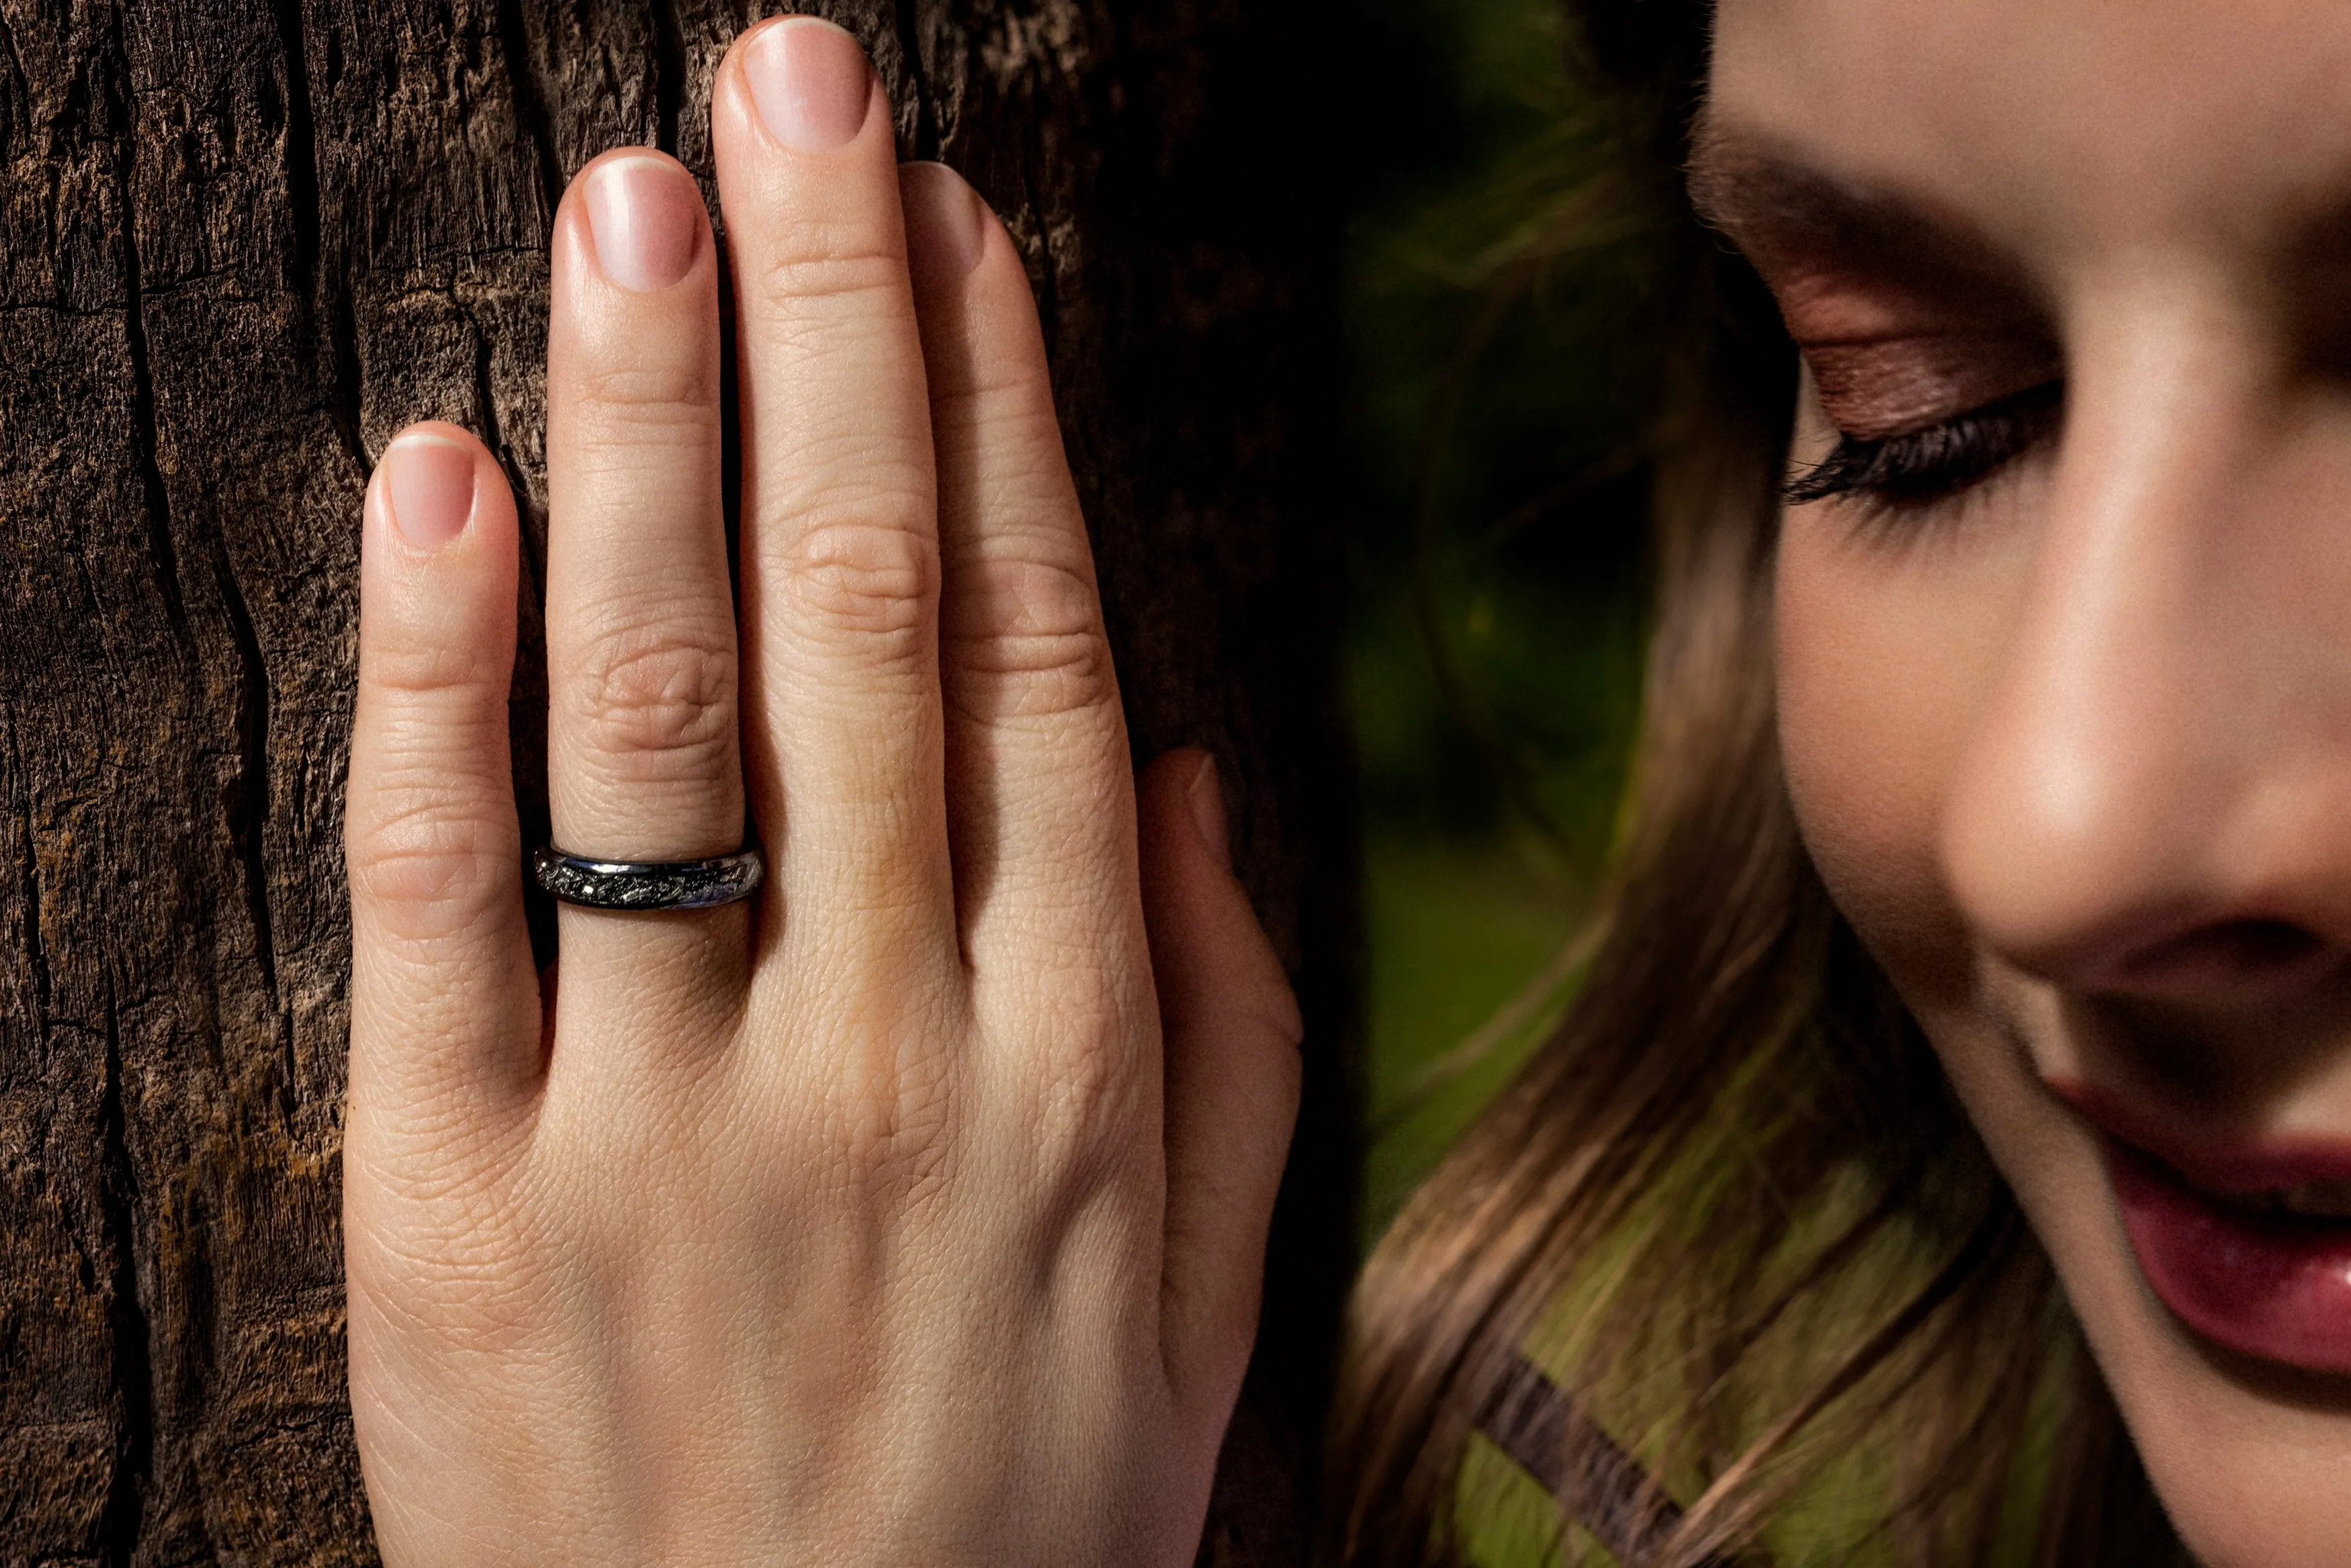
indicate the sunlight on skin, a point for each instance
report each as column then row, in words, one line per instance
column 914, row 1210
column 2072, row 744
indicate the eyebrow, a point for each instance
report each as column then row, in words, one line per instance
column 1783, row 210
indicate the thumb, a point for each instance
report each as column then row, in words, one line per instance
column 1232, row 1031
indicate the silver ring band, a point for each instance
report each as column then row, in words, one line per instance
column 647, row 883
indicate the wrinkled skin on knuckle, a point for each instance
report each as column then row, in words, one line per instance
column 1029, row 630
column 1002, row 430
column 887, row 895
column 877, row 1081
column 1076, row 1082
column 996, row 404
column 865, row 578
column 428, row 855
column 471, row 1289
column 905, row 1112
column 1085, row 1120
column 451, row 1176
column 656, row 700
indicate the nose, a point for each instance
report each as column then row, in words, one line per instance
column 2155, row 800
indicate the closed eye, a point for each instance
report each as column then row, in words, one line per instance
column 1920, row 467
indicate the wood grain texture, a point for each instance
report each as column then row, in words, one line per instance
column 242, row 242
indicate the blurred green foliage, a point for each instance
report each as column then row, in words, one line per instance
column 1497, row 490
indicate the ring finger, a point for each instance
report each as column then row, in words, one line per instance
column 642, row 754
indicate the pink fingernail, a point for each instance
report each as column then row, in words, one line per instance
column 810, row 82
column 946, row 223
column 1206, row 798
column 429, row 483
column 644, row 214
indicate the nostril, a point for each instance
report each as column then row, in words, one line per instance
column 2221, row 956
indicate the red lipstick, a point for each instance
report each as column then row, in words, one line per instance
column 2262, row 1282
column 2218, row 1238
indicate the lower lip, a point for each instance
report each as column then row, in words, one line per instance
column 2276, row 1286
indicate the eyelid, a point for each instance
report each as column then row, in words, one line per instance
column 1882, row 388
column 1897, row 474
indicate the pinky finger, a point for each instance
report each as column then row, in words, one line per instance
column 445, row 999
column 1232, row 1034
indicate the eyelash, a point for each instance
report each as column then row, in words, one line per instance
column 1927, row 465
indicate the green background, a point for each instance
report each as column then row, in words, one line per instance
column 1497, row 507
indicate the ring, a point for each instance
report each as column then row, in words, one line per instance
column 647, row 883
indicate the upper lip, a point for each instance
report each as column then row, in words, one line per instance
column 2244, row 1167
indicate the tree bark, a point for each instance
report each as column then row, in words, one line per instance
column 240, row 245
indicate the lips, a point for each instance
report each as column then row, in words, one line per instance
column 2241, row 1268
column 2248, row 1242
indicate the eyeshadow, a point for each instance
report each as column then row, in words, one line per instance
column 1892, row 386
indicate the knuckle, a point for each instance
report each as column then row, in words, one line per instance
column 1031, row 631
column 1082, row 1125
column 427, row 849
column 664, row 694
column 893, row 1115
column 867, row 578
column 1086, row 1092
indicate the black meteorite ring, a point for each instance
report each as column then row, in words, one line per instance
column 648, row 884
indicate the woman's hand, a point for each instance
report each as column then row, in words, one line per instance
column 914, row 1211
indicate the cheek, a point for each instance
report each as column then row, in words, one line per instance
column 1886, row 648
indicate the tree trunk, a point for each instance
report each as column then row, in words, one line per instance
column 241, row 245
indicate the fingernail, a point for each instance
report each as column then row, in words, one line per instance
column 1206, row 798
column 946, row 223
column 428, row 483
column 644, row 213
column 811, row 83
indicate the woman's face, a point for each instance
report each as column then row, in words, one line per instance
column 2064, row 649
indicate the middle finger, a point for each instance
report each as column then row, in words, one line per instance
column 840, row 554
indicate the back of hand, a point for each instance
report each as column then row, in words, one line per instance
column 911, row 1208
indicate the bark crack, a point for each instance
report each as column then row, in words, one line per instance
column 494, row 437
column 926, row 117
column 324, row 299
column 132, row 1365
column 350, row 386
column 131, row 1368
column 36, row 954
column 144, row 438
column 249, row 806
column 530, row 95
column 485, row 400
column 669, row 76
column 23, row 94
column 300, row 151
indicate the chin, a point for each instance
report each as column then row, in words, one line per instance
column 2250, row 1496
column 2252, row 1459
column 2251, row 1454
